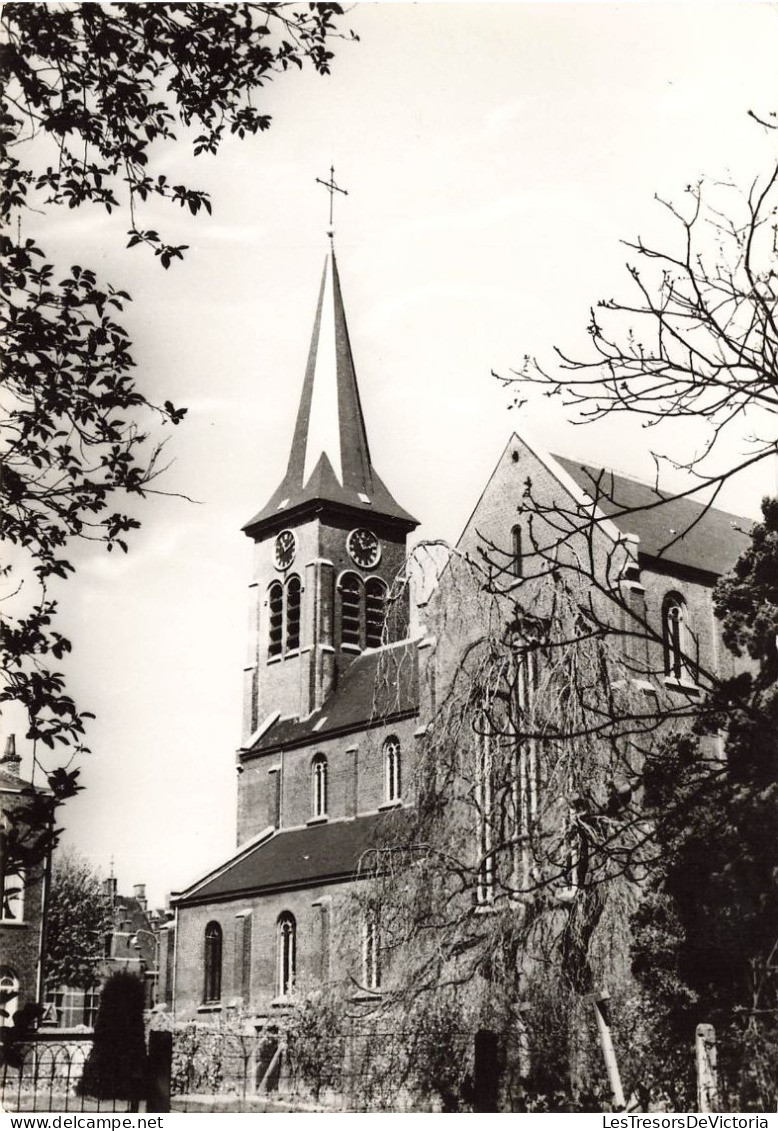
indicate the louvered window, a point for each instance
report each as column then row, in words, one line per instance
column 293, row 591
column 276, row 606
column 351, row 609
column 375, row 612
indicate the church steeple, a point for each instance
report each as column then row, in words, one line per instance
column 329, row 544
column 330, row 457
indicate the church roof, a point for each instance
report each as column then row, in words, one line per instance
column 330, row 457
column 683, row 532
column 376, row 688
column 290, row 858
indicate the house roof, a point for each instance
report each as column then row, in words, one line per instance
column 679, row 531
column 292, row 858
column 378, row 686
column 12, row 782
column 330, row 456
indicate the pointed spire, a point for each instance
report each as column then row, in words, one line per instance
column 330, row 456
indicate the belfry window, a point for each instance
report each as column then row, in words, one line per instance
column 392, row 769
column 674, row 634
column 213, row 963
column 375, row 612
column 351, row 596
column 293, row 590
column 287, row 954
column 284, row 605
column 275, row 599
column 319, row 785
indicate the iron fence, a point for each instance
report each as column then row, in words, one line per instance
column 49, row 1075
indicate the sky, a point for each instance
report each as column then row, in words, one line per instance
column 495, row 156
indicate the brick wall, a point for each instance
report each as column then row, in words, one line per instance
column 20, row 938
column 355, row 777
column 320, row 948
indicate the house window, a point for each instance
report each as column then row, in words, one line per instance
column 293, row 591
column 91, row 1005
column 371, row 952
column 375, row 612
column 9, row 995
column 351, row 595
column 675, row 632
column 319, row 785
column 484, row 801
column 13, row 897
column 517, row 568
column 213, row 963
column 55, row 1008
column 275, row 599
column 392, row 769
column 287, row 954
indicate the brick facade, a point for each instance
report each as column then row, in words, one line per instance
column 327, row 699
column 21, row 926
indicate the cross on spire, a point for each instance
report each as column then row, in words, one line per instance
column 331, row 188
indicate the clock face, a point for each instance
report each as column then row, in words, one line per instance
column 364, row 548
column 285, row 550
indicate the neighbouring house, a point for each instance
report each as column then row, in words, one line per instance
column 343, row 677
column 23, row 904
column 130, row 944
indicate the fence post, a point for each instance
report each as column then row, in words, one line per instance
column 160, row 1065
column 601, row 1005
column 707, row 1084
column 486, row 1071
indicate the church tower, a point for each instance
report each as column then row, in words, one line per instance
column 328, row 544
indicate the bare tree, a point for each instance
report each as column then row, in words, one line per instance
column 697, row 340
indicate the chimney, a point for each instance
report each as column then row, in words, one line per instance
column 139, row 891
column 11, row 761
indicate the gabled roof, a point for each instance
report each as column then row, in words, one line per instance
column 301, row 857
column 679, row 531
column 378, row 686
column 330, row 456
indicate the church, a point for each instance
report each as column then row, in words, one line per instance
column 345, row 671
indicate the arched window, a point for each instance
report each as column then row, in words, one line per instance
column 213, row 963
column 287, row 954
column 275, row 600
column 351, row 594
column 371, row 951
column 12, row 908
column 674, row 634
column 392, row 769
column 516, row 563
column 319, row 785
column 484, row 802
column 9, row 995
column 293, row 590
column 375, row 612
